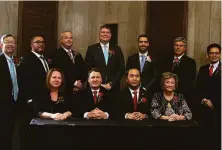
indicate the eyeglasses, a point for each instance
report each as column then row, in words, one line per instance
column 39, row 42
column 9, row 42
column 214, row 53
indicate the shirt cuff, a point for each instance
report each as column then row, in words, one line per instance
column 75, row 83
column 85, row 115
column 107, row 115
column 126, row 115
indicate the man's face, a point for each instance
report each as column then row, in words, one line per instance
column 9, row 45
column 143, row 44
column 95, row 80
column 179, row 48
column 104, row 35
column 66, row 40
column 133, row 78
column 214, row 55
column 38, row 45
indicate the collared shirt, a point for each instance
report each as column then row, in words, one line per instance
column 96, row 91
column 138, row 91
column 178, row 57
column 140, row 54
column 102, row 45
column 215, row 66
column 38, row 55
column 67, row 51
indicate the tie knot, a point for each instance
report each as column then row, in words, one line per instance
column 143, row 56
column 211, row 66
column 134, row 92
column 176, row 59
column 94, row 92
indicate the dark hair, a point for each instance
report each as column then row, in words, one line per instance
column 142, row 35
column 213, row 45
column 35, row 37
column 127, row 72
column 106, row 26
column 94, row 70
column 8, row 35
column 49, row 75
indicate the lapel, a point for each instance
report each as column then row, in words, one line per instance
column 66, row 55
column 146, row 64
column 217, row 70
column 111, row 52
column 5, row 64
column 100, row 52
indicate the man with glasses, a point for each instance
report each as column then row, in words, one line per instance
column 208, row 86
column 8, row 91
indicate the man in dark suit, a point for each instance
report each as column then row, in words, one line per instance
column 208, row 86
column 94, row 102
column 133, row 101
column 108, row 58
column 8, row 91
column 70, row 62
column 184, row 67
column 143, row 62
column 32, row 76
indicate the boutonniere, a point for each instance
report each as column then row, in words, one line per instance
column 111, row 52
column 17, row 61
column 49, row 61
column 175, row 99
column 100, row 96
column 143, row 99
column 148, row 58
column 218, row 70
column 60, row 100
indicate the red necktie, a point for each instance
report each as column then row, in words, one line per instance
column 211, row 70
column 95, row 96
column 135, row 100
column 175, row 62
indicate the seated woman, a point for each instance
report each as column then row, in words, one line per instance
column 54, row 104
column 169, row 105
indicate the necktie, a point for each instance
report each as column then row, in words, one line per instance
column 176, row 62
column 211, row 70
column 70, row 55
column 95, row 96
column 14, row 79
column 135, row 100
column 142, row 62
column 44, row 63
column 106, row 53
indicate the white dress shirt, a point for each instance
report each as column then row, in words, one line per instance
column 102, row 45
column 178, row 57
column 215, row 66
column 38, row 55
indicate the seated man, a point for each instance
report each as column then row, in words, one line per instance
column 93, row 102
column 133, row 100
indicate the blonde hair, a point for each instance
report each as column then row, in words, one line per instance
column 168, row 75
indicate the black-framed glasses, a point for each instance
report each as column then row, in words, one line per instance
column 214, row 53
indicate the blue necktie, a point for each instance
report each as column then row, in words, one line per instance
column 106, row 54
column 14, row 78
column 142, row 62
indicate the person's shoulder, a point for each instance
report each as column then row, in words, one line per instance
column 134, row 55
column 189, row 58
column 94, row 45
column 203, row 67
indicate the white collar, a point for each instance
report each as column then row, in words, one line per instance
column 143, row 54
column 7, row 57
column 215, row 64
column 95, row 90
column 38, row 55
column 66, row 49
column 102, row 45
column 137, row 90
column 179, row 56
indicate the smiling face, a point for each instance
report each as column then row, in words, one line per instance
column 55, row 80
column 66, row 40
column 95, row 80
column 213, row 55
column 9, row 45
column 179, row 48
column 143, row 44
column 169, row 85
column 104, row 35
column 38, row 45
column 133, row 78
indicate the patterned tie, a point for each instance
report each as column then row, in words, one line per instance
column 142, row 62
column 135, row 100
column 211, row 70
column 14, row 79
column 70, row 55
column 176, row 62
column 44, row 63
column 95, row 96
column 106, row 53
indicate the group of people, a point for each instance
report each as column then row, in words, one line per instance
column 64, row 85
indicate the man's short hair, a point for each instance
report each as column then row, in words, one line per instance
column 127, row 72
column 142, row 35
column 94, row 70
column 33, row 37
column 181, row 39
column 106, row 26
column 213, row 45
column 8, row 35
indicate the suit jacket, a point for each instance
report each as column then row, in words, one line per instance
column 125, row 102
column 32, row 76
column 186, row 72
column 148, row 75
column 114, row 70
column 86, row 101
column 72, row 71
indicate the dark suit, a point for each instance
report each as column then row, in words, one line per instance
column 86, row 101
column 125, row 103
column 209, row 87
column 7, row 105
column 148, row 75
column 72, row 71
column 114, row 70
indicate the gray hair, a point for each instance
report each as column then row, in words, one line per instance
column 181, row 39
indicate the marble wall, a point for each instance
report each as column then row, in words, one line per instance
column 204, row 28
column 85, row 18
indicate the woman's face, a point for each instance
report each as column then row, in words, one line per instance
column 55, row 80
column 169, row 84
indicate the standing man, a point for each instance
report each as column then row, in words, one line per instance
column 8, row 91
column 144, row 63
column 134, row 100
column 70, row 62
column 208, row 86
column 108, row 58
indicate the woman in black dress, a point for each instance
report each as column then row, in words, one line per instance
column 54, row 103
